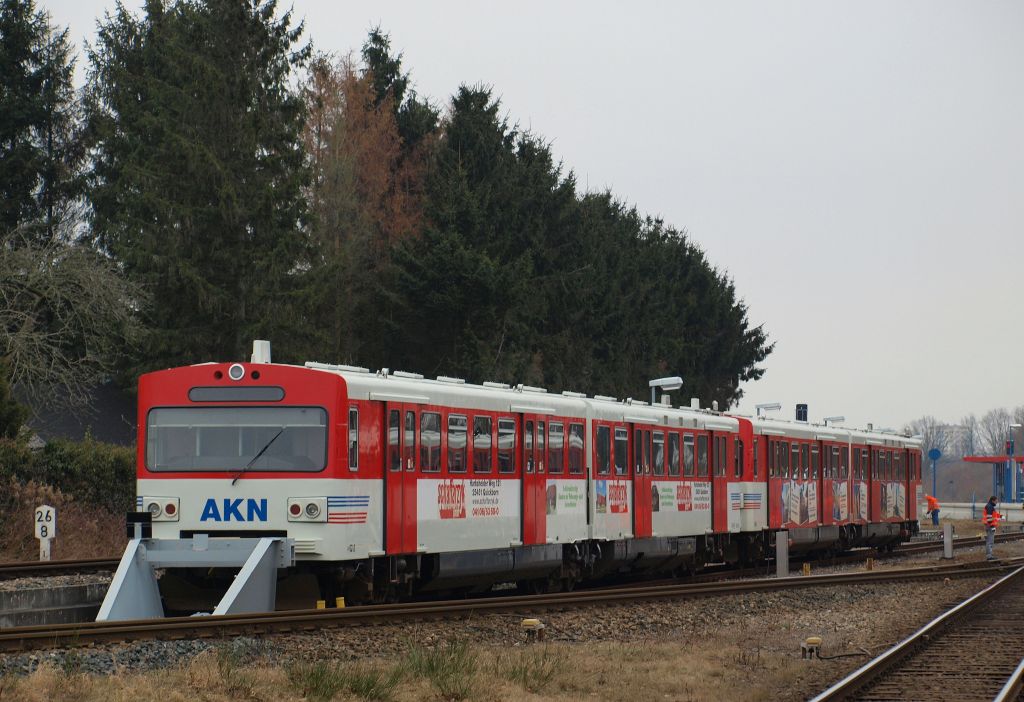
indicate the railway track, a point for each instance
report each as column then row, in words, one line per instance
column 66, row 635
column 33, row 569
column 972, row 652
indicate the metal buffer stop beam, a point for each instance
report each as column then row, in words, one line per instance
column 134, row 593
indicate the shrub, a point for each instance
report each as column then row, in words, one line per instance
column 92, row 472
column 321, row 681
column 450, row 667
column 532, row 668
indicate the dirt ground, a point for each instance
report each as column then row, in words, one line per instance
column 738, row 648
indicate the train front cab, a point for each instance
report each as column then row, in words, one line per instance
column 249, row 450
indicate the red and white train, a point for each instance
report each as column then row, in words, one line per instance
column 392, row 484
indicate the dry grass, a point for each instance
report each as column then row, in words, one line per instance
column 84, row 531
column 453, row 671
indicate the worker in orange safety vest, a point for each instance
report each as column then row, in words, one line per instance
column 933, row 508
column 990, row 519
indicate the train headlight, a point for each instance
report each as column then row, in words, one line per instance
column 236, row 371
column 161, row 509
column 307, row 509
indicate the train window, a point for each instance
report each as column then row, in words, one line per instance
column 702, row 456
column 602, row 450
column 483, row 449
column 506, row 446
column 208, row 438
column 409, row 447
column 647, row 452
column 844, row 463
column 621, row 451
column 795, row 461
column 688, row 455
column 430, row 442
column 457, row 431
column 673, row 454
column 784, row 458
column 528, row 446
column 541, row 450
column 659, row 453
column 575, row 448
column 756, row 459
column 394, row 445
column 556, row 450
column 353, row 439
column 833, row 459
column 815, row 461
column 772, row 446
column 738, row 459
column 864, row 464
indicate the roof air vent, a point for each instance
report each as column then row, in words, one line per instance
column 406, row 374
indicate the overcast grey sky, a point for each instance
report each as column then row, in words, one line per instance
column 857, row 168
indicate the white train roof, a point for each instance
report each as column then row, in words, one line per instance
column 822, row 432
column 413, row 388
column 398, row 386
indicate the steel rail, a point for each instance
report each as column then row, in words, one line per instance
column 27, row 569
column 1014, row 685
column 61, row 635
column 856, row 681
column 22, row 569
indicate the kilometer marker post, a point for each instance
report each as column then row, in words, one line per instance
column 45, row 518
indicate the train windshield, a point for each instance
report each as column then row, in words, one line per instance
column 228, row 439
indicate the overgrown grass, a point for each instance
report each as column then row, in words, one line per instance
column 451, row 668
column 322, row 680
column 83, row 530
column 532, row 668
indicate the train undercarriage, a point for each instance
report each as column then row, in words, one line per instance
column 296, row 584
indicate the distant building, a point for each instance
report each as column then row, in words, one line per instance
column 110, row 418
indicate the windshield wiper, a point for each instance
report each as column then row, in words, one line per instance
column 257, row 456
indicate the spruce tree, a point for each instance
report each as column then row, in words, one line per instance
column 40, row 140
column 198, row 175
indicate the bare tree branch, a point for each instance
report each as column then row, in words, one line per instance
column 66, row 314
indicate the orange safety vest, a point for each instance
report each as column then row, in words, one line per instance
column 991, row 520
column 933, row 504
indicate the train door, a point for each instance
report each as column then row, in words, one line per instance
column 720, row 497
column 875, row 486
column 534, row 479
column 815, row 499
column 642, row 462
column 400, row 472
